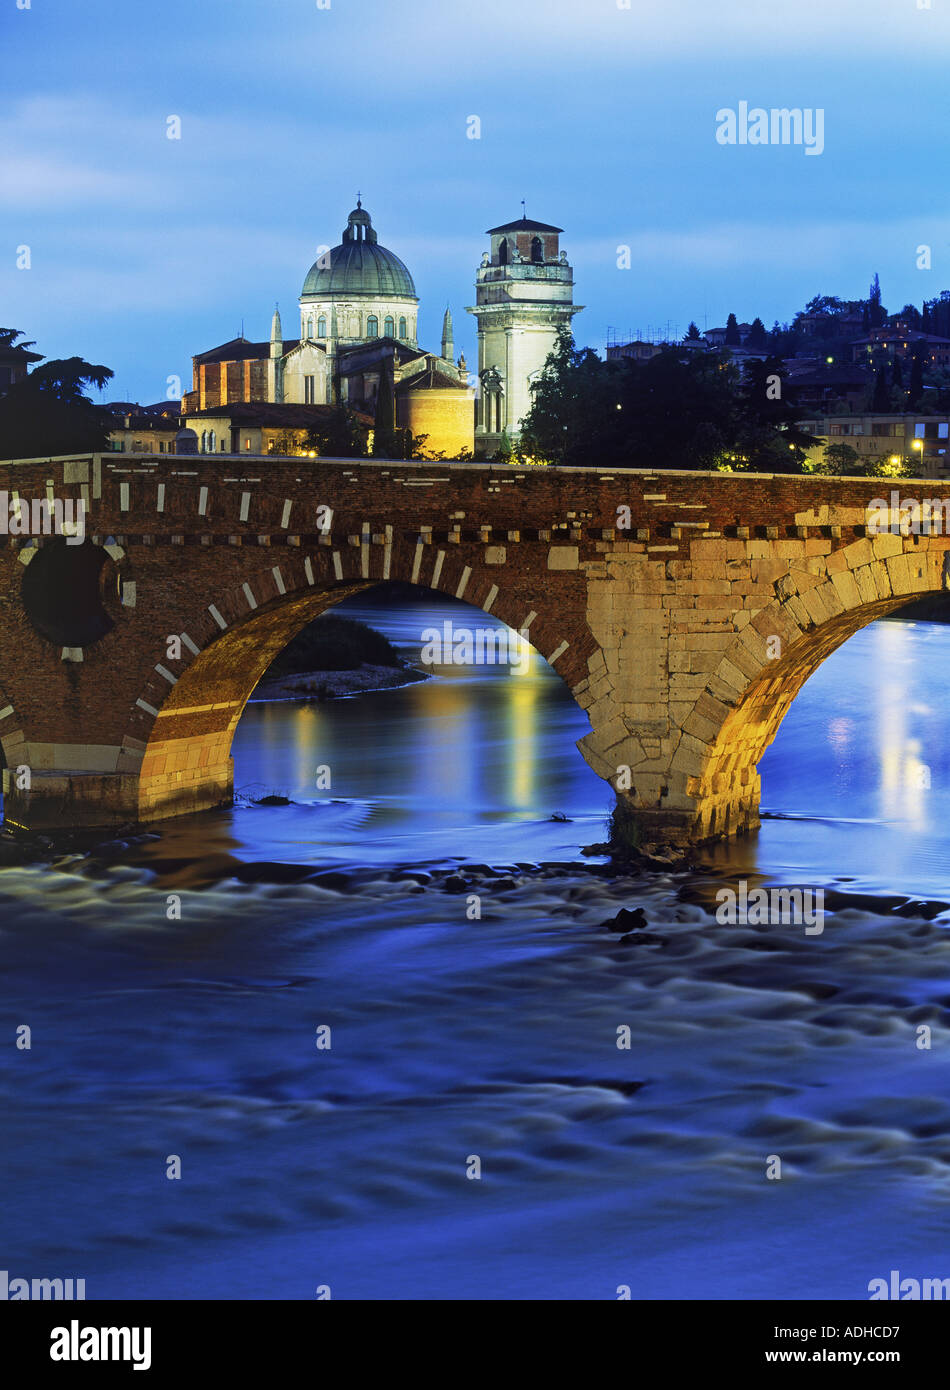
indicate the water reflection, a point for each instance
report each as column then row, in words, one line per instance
column 856, row 783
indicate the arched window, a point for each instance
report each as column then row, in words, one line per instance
column 204, row 441
column 322, row 326
column 310, row 325
column 389, row 328
column 372, row 326
column 537, row 250
column 211, row 441
column 503, row 251
column 402, row 328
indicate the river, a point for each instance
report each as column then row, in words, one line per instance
column 473, row 1130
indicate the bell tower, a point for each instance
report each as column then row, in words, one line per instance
column 524, row 297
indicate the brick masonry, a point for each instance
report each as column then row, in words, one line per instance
column 685, row 632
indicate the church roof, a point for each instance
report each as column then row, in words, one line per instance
column 359, row 266
column 240, row 350
column 431, row 378
column 524, row 224
column 357, row 357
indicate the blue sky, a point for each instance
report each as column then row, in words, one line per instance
column 146, row 250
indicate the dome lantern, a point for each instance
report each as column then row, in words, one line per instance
column 359, row 267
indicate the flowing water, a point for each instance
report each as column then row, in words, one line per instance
column 427, row 910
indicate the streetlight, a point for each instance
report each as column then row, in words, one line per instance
column 918, row 444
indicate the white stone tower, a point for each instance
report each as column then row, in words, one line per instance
column 524, row 296
column 275, row 384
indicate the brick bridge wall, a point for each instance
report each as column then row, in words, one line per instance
column 685, row 631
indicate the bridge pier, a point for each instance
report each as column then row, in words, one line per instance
column 700, row 657
column 56, row 800
column 178, row 777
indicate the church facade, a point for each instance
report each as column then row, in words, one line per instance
column 358, row 313
column 358, row 321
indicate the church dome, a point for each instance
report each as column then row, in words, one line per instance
column 359, row 266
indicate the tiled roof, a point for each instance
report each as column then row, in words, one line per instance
column 240, row 350
column 524, row 224
column 431, row 378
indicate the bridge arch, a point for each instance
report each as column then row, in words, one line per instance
column 705, row 785
column 183, row 720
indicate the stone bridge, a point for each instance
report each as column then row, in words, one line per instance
column 683, row 610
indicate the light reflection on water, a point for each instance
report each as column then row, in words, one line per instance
column 856, row 784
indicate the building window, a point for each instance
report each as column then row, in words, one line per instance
column 309, row 325
column 503, row 251
column 402, row 328
column 308, row 391
column 389, row 328
column 372, row 326
column 211, row 442
column 537, row 250
column 322, row 326
column 204, row 441
column 223, row 444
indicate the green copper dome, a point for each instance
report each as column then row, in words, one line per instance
column 359, row 266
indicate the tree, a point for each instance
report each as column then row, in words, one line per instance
column 338, row 435
column 777, row 339
column 49, row 413
column 839, row 459
column 732, row 332
column 683, row 408
column 916, row 389
column 828, row 304
column 387, row 441
column 692, row 333
column 766, row 431
column 8, row 338
column 897, row 374
column 505, row 452
column 876, row 312
column 881, row 399
column 757, row 338
column 569, row 406
column 910, row 315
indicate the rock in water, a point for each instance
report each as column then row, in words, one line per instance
column 627, row 919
